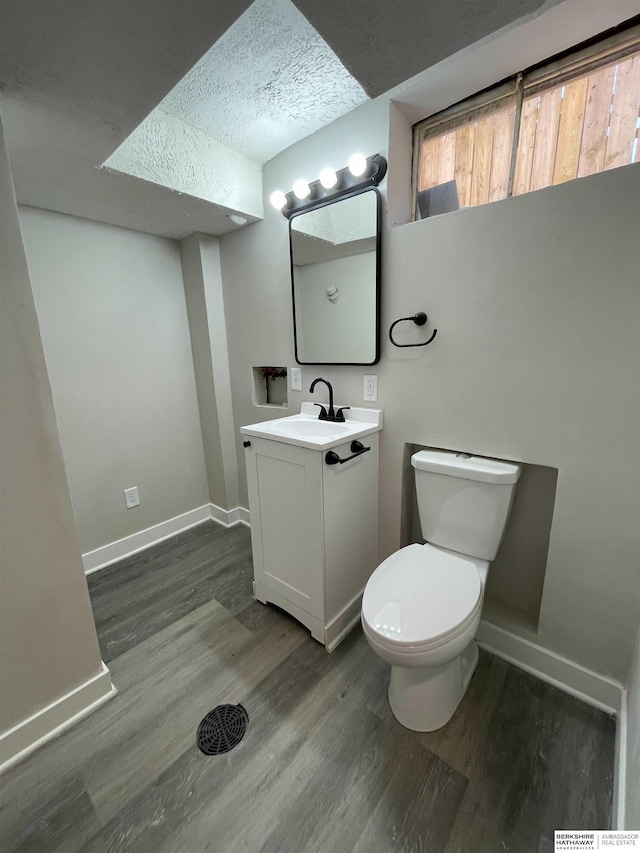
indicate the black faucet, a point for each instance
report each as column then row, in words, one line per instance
column 330, row 415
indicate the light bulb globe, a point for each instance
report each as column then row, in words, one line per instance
column 357, row 165
column 328, row 178
column 301, row 189
column 278, row 199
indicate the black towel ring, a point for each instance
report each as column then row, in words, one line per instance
column 419, row 319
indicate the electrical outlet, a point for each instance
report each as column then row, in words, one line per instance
column 131, row 497
column 296, row 378
column 371, row 388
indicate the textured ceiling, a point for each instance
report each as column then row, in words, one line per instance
column 268, row 82
column 384, row 43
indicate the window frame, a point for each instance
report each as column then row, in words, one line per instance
column 591, row 56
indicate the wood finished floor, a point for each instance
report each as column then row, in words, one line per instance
column 324, row 765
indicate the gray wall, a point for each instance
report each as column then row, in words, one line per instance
column 112, row 311
column 48, row 643
column 536, row 301
column 632, row 792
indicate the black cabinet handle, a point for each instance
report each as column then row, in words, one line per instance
column 246, row 444
column 357, row 449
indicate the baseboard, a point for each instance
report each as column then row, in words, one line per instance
column 21, row 740
column 113, row 552
column 620, row 768
column 230, row 517
column 338, row 628
column 594, row 689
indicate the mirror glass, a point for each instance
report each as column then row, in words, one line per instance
column 335, row 272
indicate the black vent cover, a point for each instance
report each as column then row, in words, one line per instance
column 222, row 729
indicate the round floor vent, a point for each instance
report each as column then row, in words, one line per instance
column 222, row 729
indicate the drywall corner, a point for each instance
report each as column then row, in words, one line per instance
column 48, row 642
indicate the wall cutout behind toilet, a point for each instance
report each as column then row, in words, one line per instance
column 515, row 582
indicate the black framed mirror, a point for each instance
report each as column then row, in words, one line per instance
column 335, row 280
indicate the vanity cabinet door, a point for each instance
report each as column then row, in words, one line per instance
column 351, row 530
column 285, row 500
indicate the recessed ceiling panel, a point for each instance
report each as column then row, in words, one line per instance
column 268, row 82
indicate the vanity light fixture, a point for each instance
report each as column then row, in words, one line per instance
column 362, row 172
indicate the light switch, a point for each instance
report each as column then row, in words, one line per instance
column 296, row 378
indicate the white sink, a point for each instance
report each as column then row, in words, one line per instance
column 305, row 430
column 302, row 426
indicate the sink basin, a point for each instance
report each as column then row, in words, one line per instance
column 305, row 430
column 307, row 427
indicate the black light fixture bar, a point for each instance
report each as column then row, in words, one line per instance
column 347, row 183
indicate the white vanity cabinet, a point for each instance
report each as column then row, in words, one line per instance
column 314, row 530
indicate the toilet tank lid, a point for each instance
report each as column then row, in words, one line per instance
column 466, row 467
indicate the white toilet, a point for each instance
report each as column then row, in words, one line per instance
column 421, row 607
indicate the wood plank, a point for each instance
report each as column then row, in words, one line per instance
column 570, row 131
column 428, row 167
column 334, row 793
column 526, row 146
column 523, row 784
column 295, row 725
column 146, row 682
column 546, row 139
column 209, row 676
column 461, row 742
column 501, row 155
column 596, row 121
column 447, row 158
column 144, row 593
column 568, row 731
column 624, row 116
column 464, row 162
column 482, row 151
column 414, row 817
column 61, row 821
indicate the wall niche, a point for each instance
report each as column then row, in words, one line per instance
column 270, row 386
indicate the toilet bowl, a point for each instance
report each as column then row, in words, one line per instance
column 420, row 613
column 421, row 607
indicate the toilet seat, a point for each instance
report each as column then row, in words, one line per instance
column 421, row 597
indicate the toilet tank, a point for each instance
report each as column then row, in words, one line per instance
column 464, row 501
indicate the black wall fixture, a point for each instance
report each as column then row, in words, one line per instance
column 419, row 319
column 347, row 184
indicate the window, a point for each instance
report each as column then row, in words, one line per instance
column 572, row 117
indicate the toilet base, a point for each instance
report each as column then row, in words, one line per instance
column 425, row 699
